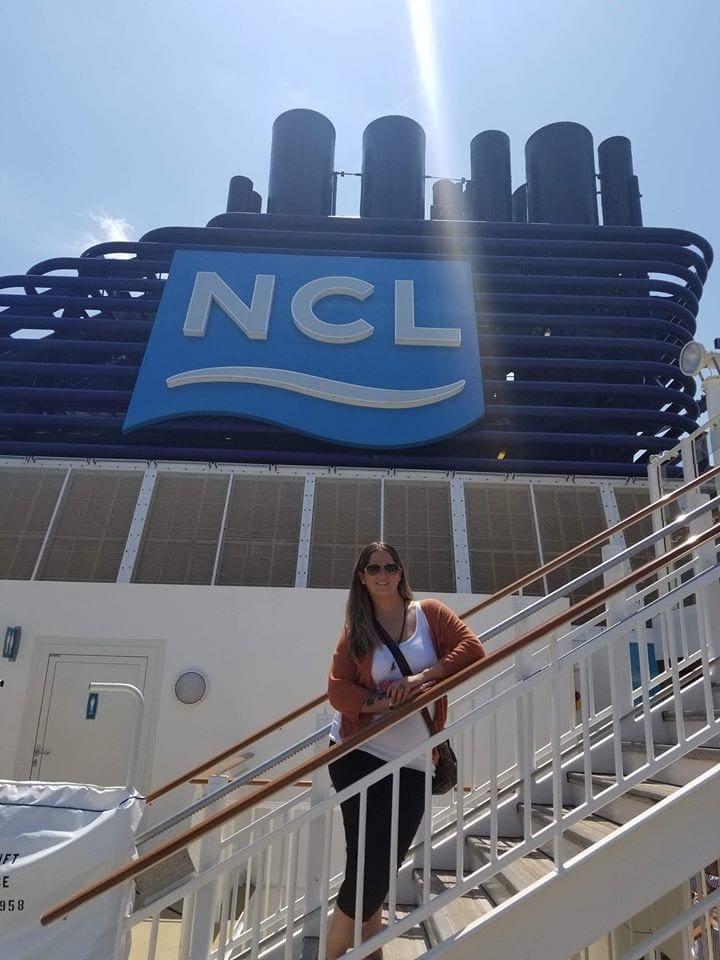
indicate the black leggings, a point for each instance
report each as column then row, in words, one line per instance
column 376, row 883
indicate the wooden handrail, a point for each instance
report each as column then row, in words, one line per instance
column 258, row 735
column 333, row 753
column 237, row 760
column 523, row 581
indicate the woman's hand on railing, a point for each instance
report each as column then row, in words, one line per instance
column 407, row 688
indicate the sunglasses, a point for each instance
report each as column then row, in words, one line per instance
column 375, row 568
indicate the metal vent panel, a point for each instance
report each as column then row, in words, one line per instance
column 629, row 500
column 27, row 500
column 182, row 531
column 262, row 532
column 568, row 516
column 91, row 527
column 346, row 518
column 417, row 523
column 501, row 536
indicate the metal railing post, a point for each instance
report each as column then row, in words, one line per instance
column 524, row 741
column 319, row 791
column 203, row 910
column 617, row 609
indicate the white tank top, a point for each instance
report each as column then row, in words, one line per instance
column 419, row 652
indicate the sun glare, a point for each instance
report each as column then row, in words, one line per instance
column 423, row 36
column 437, row 113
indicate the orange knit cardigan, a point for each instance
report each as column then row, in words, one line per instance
column 350, row 680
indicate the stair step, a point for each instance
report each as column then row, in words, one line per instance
column 514, row 877
column 407, row 946
column 699, row 753
column 410, row 944
column 163, row 877
column 584, row 833
column 691, row 715
column 456, row 915
column 650, row 791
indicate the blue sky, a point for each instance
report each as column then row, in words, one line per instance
column 118, row 118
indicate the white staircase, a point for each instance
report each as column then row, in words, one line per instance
column 591, row 797
column 467, row 925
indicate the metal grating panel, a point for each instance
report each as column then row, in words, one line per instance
column 90, row 530
column 347, row 517
column 417, row 523
column 182, row 530
column 568, row 516
column 501, row 536
column 27, row 501
column 630, row 499
column 262, row 532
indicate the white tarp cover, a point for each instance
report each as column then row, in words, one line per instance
column 55, row 839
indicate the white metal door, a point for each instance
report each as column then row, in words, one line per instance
column 72, row 746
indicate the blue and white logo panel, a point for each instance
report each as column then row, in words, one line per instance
column 363, row 351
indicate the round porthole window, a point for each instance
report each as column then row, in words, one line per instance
column 191, row 686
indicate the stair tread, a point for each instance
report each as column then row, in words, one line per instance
column 406, row 946
column 651, row 790
column 514, row 876
column 697, row 753
column 694, row 715
column 163, row 877
column 457, row 914
column 585, row 832
column 411, row 944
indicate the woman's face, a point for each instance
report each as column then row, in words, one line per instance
column 382, row 584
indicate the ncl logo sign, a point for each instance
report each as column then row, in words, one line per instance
column 363, row 351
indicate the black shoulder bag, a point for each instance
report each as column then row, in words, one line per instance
column 446, row 768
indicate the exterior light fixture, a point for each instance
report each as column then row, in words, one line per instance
column 694, row 358
column 501, row 454
column 191, row 687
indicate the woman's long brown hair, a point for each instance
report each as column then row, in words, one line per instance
column 359, row 611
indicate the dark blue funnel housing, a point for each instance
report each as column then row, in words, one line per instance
column 519, row 204
column 302, row 161
column 241, row 195
column 560, row 166
column 619, row 185
column 393, row 169
column 490, row 176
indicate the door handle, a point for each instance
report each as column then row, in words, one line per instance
column 40, row 752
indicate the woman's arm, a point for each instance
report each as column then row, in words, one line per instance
column 376, row 702
column 457, row 644
column 345, row 691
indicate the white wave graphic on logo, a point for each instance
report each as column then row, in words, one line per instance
column 335, row 391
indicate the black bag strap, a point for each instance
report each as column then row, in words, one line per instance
column 402, row 663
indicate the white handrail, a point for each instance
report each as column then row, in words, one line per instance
column 136, row 727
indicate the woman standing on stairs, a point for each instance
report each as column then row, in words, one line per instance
column 365, row 683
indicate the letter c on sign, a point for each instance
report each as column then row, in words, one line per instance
column 310, row 293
